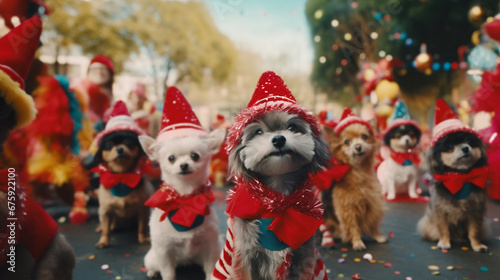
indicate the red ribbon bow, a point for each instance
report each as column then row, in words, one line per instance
column 110, row 180
column 323, row 180
column 455, row 181
column 188, row 206
column 400, row 158
column 296, row 216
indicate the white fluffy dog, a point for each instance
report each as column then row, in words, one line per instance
column 184, row 227
column 184, row 165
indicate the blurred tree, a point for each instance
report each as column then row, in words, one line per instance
column 95, row 26
column 181, row 36
column 347, row 33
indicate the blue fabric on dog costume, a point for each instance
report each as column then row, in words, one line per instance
column 407, row 162
column 120, row 190
column 267, row 238
column 180, row 228
column 465, row 191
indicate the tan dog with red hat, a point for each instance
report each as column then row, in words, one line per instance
column 30, row 246
column 184, row 227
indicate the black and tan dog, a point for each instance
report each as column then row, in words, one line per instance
column 123, row 188
column 458, row 163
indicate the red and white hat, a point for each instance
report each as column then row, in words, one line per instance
column 178, row 118
column 17, row 50
column 104, row 60
column 119, row 120
column 271, row 94
column 446, row 122
column 349, row 118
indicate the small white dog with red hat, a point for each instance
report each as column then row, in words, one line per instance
column 184, row 227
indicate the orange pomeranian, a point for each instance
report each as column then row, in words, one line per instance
column 354, row 204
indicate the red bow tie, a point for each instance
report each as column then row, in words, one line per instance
column 400, row 158
column 109, row 180
column 189, row 206
column 454, row 181
column 324, row 179
column 296, row 216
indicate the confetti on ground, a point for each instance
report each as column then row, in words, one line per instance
column 357, row 259
column 450, row 267
column 435, row 273
column 104, row 266
column 109, row 271
column 381, row 261
column 495, row 219
column 473, row 276
column 341, row 260
column 444, row 251
column 344, row 255
column 490, row 254
column 127, row 255
column 458, row 267
column 367, row 256
column 434, row 247
column 465, row 248
column 328, row 270
column 356, row 276
column 118, row 277
column 391, row 234
column 373, row 261
column 91, row 257
column 433, row 267
column 344, row 249
column 397, row 272
column 483, row 268
column 61, row 220
column 412, row 255
column 341, row 275
column 408, row 278
column 388, row 264
column 143, row 269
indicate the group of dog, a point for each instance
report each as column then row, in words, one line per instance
column 277, row 149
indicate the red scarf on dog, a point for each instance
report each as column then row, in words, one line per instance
column 189, row 206
column 401, row 158
column 296, row 216
column 454, row 181
column 34, row 228
column 324, row 179
column 110, row 180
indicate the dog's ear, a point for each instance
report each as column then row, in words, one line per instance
column 329, row 135
column 149, row 146
column 215, row 140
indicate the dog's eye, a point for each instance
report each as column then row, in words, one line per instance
column 346, row 141
column 171, row 158
column 108, row 145
column 195, row 156
column 259, row 132
column 292, row 127
column 129, row 143
column 364, row 136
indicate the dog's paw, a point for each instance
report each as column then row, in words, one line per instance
column 152, row 274
column 413, row 195
column 479, row 248
column 358, row 245
column 102, row 244
column 390, row 197
column 380, row 238
column 444, row 244
column 98, row 228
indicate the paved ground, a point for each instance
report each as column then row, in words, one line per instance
column 406, row 256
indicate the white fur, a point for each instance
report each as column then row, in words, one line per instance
column 200, row 245
column 396, row 178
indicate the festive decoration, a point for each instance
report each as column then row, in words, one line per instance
column 20, row 9
column 423, row 61
column 492, row 28
column 487, row 95
column 349, row 118
column 455, row 181
column 482, row 58
column 387, row 90
column 476, row 15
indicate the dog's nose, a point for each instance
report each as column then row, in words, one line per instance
column 279, row 141
column 465, row 149
column 407, row 142
column 119, row 150
column 184, row 167
column 358, row 147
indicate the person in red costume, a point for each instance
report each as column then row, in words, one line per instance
column 30, row 247
column 98, row 87
column 22, row 9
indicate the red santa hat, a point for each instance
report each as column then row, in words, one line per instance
column 493, row 29
column 178, row 118
column 104, row 60
column 119, row 120
column 271, row 94
column 17, row 50
column 446, row 122
column 349, row 118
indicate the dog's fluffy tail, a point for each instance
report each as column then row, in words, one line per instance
column 427, row 228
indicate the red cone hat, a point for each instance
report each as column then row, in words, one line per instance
column 348, row 118
column 119, row 120
column 446, row 122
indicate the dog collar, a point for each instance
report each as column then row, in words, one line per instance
column 184, row 211
column 296, row 217
column 119, row 184
column 454, row 182
column 406, row 159
column 324, row 179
